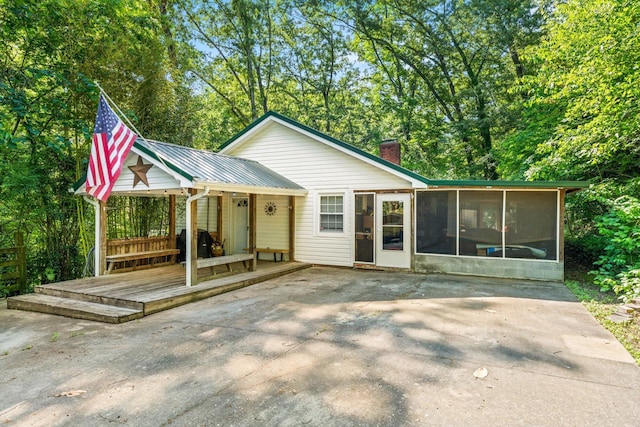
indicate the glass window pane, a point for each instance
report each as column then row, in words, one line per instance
column 364, row 227
column 331, row 215
column 392, row 229
column 392, row 212
column 392, row 238
column 436, row 222
column 531, row 224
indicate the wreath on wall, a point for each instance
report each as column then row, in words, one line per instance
column 270, row 208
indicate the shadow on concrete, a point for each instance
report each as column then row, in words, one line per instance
column 318, row 347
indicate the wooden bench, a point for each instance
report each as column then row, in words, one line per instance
column 274, row 252
column 151, row 256
column 226, row 260
column 135, row 253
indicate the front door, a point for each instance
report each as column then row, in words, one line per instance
column 363, row 228
column 393, row 230
column 239, row 225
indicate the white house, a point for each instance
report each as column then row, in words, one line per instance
column 362, row 210
column 281, row 186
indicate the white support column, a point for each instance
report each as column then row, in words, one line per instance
column 188, row 258
column 96, row 244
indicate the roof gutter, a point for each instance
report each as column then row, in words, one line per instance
column 239, row 188
column 561, row 185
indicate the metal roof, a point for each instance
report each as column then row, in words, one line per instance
column 211, row 168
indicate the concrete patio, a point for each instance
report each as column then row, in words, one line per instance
column 327, row 347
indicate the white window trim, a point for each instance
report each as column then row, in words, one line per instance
column 316, row 215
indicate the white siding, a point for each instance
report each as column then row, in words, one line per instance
column 320, row 169
column 207, row 214
column 313, row 164
column 272, row 231
column 157, row 178
column 314, row 247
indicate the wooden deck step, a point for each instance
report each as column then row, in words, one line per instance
column 81, row 295
column 77, row 309
column 132, row 296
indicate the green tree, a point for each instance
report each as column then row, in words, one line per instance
column 582, row 123
column 231, row 46
column 587, row 81
column 51, row 51
column 253, row 56
column 457, row 52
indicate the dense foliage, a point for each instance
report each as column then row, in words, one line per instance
column 619, row 264
column 582, row 123
column 488, row 89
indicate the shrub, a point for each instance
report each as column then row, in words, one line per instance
column 583, row 250
column 619, row 264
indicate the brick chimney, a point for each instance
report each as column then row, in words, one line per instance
column 390, row 151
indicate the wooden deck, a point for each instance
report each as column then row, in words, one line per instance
column 118, row 298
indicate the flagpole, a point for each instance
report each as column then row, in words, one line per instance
column 191, row 199
column 102, row 91
column 158, row 155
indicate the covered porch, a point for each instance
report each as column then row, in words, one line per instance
column 252, row 211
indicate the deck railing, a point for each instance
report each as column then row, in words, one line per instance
column 140, row 252
column 138, row 244
column 13, row 267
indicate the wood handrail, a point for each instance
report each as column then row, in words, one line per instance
column 18, row 263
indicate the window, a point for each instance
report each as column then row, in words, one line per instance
column 364, row 230
column 480, row 223
column 501, row 224
column 392, row 225
column 531, row 224
column 436, row 222
column 332, row 213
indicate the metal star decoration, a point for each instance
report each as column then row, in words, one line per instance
column 140, row 172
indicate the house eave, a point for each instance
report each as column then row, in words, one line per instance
column 569, row 186
column 238, row 188
column 416, row 180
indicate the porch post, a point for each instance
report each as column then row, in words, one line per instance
column 252, row 230
column 191, row 261
column 219, row 219
column 99, row 236
column 172, row 221
column 560, row 237
column 292, row 228
column 101, row 239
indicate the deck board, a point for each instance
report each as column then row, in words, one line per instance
column 147, row 291
column 162, row 277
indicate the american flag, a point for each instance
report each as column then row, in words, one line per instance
column 112, row 141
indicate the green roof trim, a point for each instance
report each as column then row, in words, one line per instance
column 511, row 184
column 154, row 156
column 429, row 182
column 145, row 146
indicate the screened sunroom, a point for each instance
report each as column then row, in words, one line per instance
column 505, row 232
